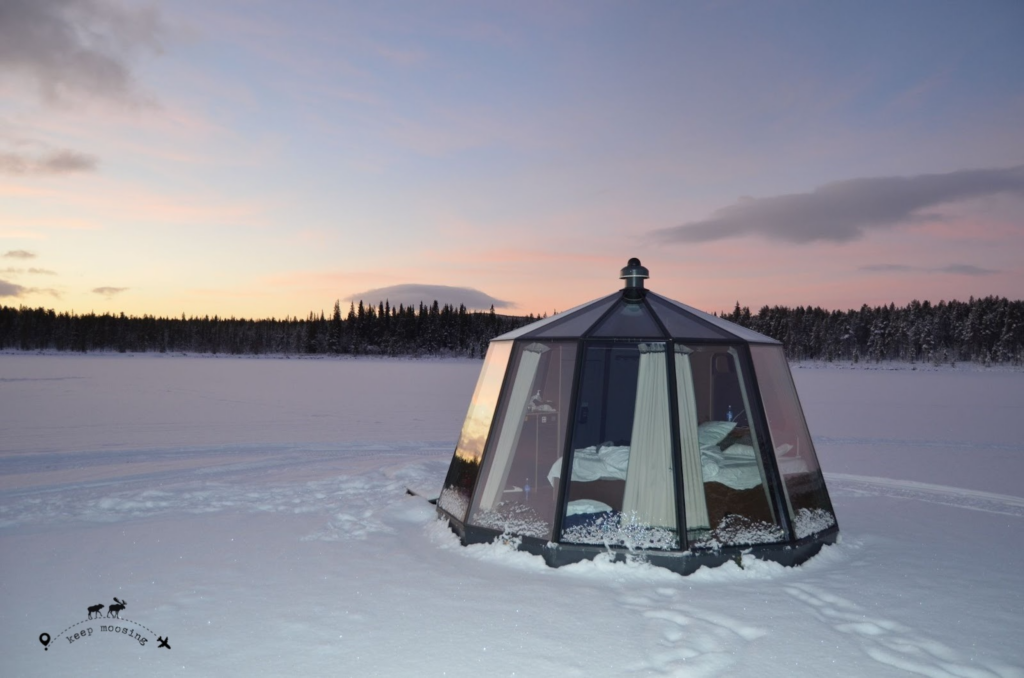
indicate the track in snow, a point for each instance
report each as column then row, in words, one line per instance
column 975, row 500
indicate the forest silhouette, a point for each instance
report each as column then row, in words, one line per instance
column 985, row 330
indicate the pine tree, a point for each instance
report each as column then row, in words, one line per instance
column 334, row 338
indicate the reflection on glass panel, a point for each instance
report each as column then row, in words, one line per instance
column 808, row 501
column 629, row 320
column 680, row 324
column 575, row 325
column 462, row 474
column 515, row 494
column 727, row 500
column 621, row 492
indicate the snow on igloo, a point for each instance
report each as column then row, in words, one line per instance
column 637, row 424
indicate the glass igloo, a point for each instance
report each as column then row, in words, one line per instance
column 637, row 425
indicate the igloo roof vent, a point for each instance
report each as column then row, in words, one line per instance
column 634, row 274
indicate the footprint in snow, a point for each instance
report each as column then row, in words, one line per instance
column 691, row 642
column 894, row 644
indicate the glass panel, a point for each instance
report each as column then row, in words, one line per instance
column 680, row 324
column 621, row 492
column 729, row 504
column 577, row 324
column 539, row 325
column 631, row 321
column 517, row 493
column 806, row 496
column 732, row 331
column 462, row 474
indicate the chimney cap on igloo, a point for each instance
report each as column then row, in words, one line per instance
column 634, row 274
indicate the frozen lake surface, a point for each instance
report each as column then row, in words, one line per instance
column 253, row 514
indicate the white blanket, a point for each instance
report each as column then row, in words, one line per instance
column 736, row 467
column 608, row 462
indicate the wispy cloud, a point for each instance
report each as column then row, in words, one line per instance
column 844, row 210
column 955, row 269
column 109, row 292
column 19, row 254
column 78, row 48
column 400, row 57
column 413, row 294
column 61, row 161
column 31, row 271
column 9, row 289
column 966, row 269
column 888, row 268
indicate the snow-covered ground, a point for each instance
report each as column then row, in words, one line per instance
column 253, row 514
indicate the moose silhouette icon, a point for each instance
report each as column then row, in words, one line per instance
column 115, row 610
column 94, row 609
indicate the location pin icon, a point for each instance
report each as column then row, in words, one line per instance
column 44, row 638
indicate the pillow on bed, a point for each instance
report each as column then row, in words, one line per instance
column 582, row 506
column 711, row 433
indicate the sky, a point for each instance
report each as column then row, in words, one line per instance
column 263, row 159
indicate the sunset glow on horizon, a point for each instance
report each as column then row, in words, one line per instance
column 258, row 159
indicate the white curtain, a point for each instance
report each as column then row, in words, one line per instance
column 512, row 426
column 695, row 503
column 649, row 477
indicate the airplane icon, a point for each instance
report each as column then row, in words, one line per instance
column 163, row 642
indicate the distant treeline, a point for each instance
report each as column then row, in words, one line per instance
column 988, row 330
column 366, row 330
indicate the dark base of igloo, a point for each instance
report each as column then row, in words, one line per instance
column 682, row 562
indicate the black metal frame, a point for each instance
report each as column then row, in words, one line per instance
column 683, row 562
